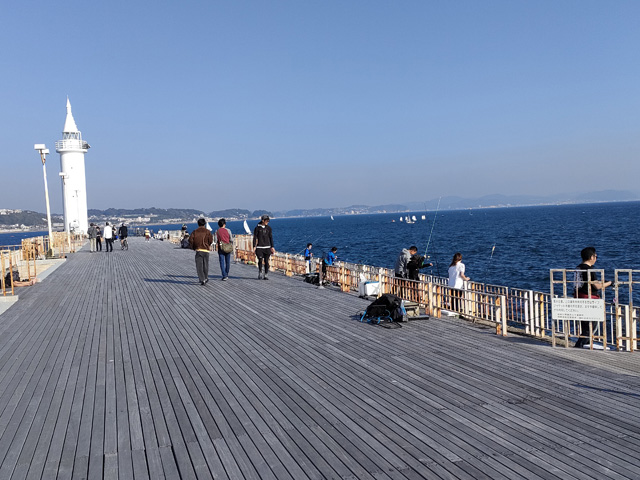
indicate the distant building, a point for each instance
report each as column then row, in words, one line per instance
column 74, row 185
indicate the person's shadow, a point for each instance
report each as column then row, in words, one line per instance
column 193, row 280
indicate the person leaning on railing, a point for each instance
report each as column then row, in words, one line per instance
column 457, row 279
column 588, row 287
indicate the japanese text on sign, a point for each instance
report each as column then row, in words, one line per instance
column 579, row 309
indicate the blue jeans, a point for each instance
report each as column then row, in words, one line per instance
column 225, row 263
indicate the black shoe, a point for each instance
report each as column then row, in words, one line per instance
column 202, row 283
column 206, row 281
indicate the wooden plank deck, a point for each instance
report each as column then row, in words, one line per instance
column 121, row 365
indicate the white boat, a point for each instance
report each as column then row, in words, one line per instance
column 246, row 227
column 401, row 219
column 331, row 217
column 413, row 218
column 424, row 217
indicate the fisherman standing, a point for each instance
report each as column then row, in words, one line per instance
column 329, row 260
column 403, row 260
column 307, row 257
column 263, row 246
column 414, row 266
column 588, row 287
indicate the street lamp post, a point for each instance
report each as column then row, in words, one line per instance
column 68, row 228
column 44, row 151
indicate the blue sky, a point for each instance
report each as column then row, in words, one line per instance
column 299, row 104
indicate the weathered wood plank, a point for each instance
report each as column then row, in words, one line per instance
column 121, row 365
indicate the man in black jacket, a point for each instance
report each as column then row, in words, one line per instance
column 263, row 246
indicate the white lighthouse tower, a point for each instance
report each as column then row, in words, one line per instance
column 74, row 185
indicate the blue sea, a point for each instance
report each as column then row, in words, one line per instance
column 528, row 241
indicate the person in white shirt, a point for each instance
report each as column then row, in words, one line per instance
column 456, row 280
column 108, row 236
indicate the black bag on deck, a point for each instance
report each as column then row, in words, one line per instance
column 312, row 278
column 387, row 308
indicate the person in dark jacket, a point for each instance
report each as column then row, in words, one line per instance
column 201, row 240
column 123, row 233
column 403, row 260
column 588, row 286
column 414, row 265
column 263, row 246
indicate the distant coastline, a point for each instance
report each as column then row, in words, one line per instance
column 14, row 221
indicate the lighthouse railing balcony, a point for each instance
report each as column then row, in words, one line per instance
column 71, row 144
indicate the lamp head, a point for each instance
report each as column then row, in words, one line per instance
column 39, row 146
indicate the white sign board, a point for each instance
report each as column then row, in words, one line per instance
column 579, row 309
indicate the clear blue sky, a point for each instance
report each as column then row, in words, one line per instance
column 296, row 104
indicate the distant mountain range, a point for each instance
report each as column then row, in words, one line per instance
column 11, row 219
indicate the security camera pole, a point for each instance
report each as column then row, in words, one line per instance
column 44, row 151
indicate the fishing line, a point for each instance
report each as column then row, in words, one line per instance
column 432, row 225
column 314, row 242
column 484, row 275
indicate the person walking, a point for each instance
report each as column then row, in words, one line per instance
column 108, row 237
column 123, row 233
column 263, row 246
column 201, row 241
column 225, row 247
column 147, row 234
column 456, row 280
column 98, row 238
column 587, row 286
column 93, row 233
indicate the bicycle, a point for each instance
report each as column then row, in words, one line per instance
column 124, row 245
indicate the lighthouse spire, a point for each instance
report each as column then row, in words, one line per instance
column 69, row 124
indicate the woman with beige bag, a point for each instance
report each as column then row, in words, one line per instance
column 225, row 247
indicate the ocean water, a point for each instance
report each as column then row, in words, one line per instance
column 528, row 240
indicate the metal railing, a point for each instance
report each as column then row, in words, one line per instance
column 508, row 309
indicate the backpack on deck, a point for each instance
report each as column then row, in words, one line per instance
column 312, row 278
column 386, row 309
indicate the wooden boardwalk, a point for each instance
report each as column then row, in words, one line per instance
column 121, row 365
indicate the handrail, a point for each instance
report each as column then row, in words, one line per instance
column 24, row 256
column 507, row 308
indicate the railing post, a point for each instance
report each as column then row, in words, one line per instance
column 4, row 292
column 619, row 319
column 634, row 332
column 288, row 272
column 501, row 315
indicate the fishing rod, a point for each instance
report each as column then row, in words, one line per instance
column 484, row 275
column 313, row 243
column 432, row 225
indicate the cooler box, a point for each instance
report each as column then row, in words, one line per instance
column 368, row 289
